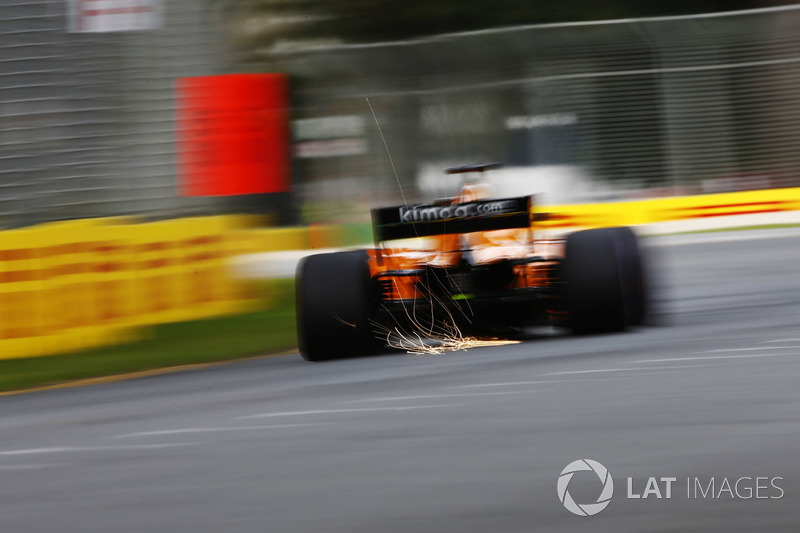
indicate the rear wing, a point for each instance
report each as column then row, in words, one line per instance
column 423, row 220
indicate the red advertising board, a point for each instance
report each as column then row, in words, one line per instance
column 233, row 134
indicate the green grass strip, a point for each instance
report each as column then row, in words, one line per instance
column 270, row 329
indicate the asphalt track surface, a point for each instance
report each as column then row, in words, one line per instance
column 466, row 442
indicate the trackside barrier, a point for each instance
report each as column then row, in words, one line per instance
column 641, row 212
column 21, row 290
column 260, row 240
column 80, row 284
column 74, row 285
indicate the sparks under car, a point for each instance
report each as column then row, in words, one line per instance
column 466, row 266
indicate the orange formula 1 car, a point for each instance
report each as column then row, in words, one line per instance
column 476, row 270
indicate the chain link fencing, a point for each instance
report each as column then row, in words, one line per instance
column 88, row 118
column 581, row 111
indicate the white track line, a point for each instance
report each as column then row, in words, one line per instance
column 340, row 411
column 785, row 340
column 556, row 381
column 514, row 383
column 66, row 449
column 757, row 349
column 598, row 371
column 431, row 396
column 12, row 468
column 215, row 430
column 631, row 369
column 714, row 357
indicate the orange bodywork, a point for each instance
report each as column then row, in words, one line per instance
column 383, row 261
column 448, row 251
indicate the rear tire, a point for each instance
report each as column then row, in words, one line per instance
column 604, row 280
column 335, row 303
column 634, row 280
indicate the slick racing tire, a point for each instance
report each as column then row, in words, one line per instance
column 604, row 283
column 634, row 280
column 335, row 302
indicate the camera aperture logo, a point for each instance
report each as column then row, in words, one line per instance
column 585, row 509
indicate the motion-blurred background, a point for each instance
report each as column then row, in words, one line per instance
column 619, row 108
column 218, row 110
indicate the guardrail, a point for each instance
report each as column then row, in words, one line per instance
column 68, row 286
column 643, row 212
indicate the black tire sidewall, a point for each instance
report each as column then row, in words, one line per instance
column 593, row 277
column 633, row 276
column 335, row 304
